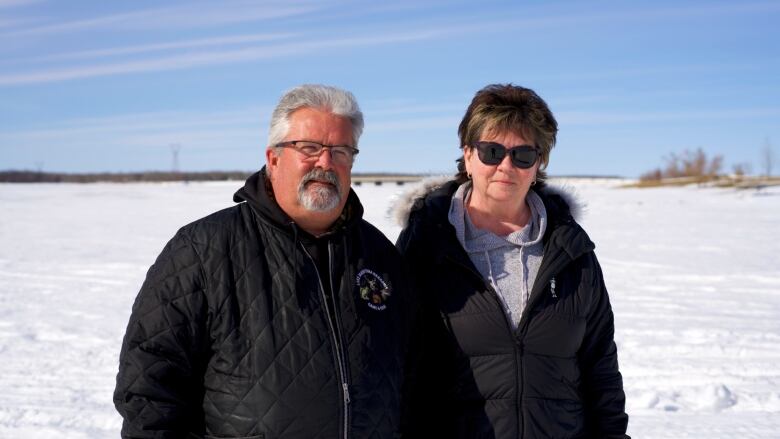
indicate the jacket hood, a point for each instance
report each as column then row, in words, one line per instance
column 436, row 192
column 258, row 193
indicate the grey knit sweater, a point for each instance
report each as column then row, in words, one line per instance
column 508, row 263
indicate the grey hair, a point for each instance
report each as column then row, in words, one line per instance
column 332, row 99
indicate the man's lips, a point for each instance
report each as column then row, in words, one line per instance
column 319, row 182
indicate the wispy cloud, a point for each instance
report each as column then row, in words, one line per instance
column 212, row 15
column 195, row 130
column 648, row 71
column 707, row 8
column 392, row 107
column 188, row 44
column 189, row 60
column 16, row 3
column 187, row 16
column 10, row 22
column 146, row 57
column 201, row 129
column 415, row 123
column 593, row 118
column 543, row 19
column 144, row 122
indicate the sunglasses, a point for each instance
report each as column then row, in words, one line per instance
column 492, row 153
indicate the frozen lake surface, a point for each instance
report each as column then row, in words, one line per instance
column 693, row 274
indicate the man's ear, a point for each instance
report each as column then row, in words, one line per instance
column 271, row 159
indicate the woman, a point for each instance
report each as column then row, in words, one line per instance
column 516, row 339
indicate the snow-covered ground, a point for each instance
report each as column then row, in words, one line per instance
column 694, row 277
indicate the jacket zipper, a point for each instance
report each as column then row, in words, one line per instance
column 516, row 336
column 337, row 350
column 340, row 336
column 518, row 349
column 523, row 325
column 536, row 293
column 518, row 361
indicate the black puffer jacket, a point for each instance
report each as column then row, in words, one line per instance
column 556, row 376
column 234, row 333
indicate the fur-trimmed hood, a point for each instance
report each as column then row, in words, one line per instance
column 401, row 209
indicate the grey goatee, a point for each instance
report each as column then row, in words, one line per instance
column 319, row 198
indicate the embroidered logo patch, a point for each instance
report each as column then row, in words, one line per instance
column 373, row 289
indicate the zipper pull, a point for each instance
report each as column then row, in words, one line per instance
column 345, row 386
column 552, row 288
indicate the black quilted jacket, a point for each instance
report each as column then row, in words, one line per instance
column 233, row 334
column 556, row 376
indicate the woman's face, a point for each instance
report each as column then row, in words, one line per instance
column 503, row 182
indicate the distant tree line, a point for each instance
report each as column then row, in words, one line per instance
column 120, row 177
column 25, row 176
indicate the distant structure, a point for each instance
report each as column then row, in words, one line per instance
column 175, row 148
column 378, row 179
column 767, row 157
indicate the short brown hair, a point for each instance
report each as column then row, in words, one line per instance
column 509, row 108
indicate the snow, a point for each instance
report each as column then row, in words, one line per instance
column 693, row 274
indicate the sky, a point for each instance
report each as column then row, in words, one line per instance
column 92, row 86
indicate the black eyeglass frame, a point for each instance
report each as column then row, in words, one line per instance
column 351, row 151
column 522, row 156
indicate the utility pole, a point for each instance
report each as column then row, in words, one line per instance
column 767, row 157
column 175, row 148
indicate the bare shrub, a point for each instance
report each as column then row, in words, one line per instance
column 714, row 166
column 741, row 169
column 654, row 175
column 673, row 168
column 689, row 164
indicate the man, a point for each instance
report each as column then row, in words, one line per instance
column 255, row 321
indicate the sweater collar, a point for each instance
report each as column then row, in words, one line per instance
column 474, row 239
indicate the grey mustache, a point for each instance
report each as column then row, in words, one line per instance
column 321, row 175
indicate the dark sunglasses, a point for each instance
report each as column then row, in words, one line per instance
column 492, row 153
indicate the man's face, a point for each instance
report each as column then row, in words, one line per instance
column 301, row 184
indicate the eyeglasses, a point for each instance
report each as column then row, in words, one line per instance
column 492, row 153
column 341, row 154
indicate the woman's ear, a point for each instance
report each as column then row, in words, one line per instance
column 467, row 153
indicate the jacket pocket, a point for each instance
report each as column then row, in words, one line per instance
column 552, row 378
column 554, row 418
column 554, row 334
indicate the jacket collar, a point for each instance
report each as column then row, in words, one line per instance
column 429, row 202
column 258, row 194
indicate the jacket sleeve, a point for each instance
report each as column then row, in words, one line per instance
column 602, row 383
column 159, row 385
column 409, row 398
column 425, row 411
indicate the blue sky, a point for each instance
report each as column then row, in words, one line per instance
column 91, row 86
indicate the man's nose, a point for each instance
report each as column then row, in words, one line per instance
column 325, row 160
